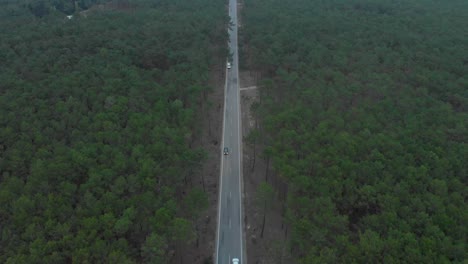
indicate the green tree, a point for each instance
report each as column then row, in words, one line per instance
column 265, row 200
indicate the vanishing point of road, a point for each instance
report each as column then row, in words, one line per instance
column 229, row 240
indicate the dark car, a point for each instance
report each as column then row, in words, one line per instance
column 226, row 151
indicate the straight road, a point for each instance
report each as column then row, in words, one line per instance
column 229, row 241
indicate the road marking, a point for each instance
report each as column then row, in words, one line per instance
column 240, row 148
column 221, row 168
column 234, row 37
column 229, row 222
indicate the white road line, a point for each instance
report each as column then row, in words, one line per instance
column 240, row 152
column 221, row 169
column 233, row 10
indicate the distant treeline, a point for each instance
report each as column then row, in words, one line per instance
column 41, row 8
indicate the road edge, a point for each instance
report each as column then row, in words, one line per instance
column 221, row 168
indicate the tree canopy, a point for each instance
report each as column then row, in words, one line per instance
column 363, row 112
column 97, row 115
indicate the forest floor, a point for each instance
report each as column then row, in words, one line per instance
column 271, row 247
column 208, row 138
column 259, row 249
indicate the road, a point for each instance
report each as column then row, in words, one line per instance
column 229, row 241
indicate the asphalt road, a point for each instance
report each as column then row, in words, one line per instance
column 229, row 241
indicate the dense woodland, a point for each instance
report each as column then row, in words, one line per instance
column 363, row 113
column 97, row 117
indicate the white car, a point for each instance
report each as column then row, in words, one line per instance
column 235, row 261
column 229, row 65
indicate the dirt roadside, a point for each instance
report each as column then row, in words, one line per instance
column 271, row 248
column 208, row 138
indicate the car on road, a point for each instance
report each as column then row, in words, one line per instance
column 229, row 65
column 235, row 261
column 226, row 151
